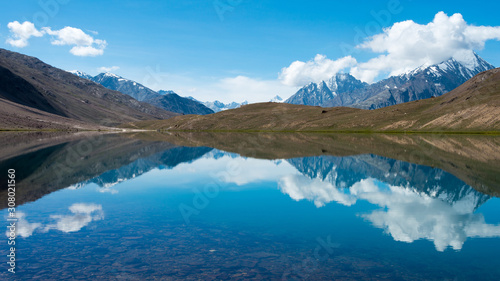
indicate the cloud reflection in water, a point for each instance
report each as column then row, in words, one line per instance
column 81, row 215
column 406, row 215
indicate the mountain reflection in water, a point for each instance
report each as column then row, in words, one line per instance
column 135, row 185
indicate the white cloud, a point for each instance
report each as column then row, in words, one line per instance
column 405, row 214
column 21, row 33
column 87, row 51
column 228, row 89
column 83, row 214
column 108, row 69
column 407, row 45
column 241, row 88
column 239, row 171
column 69, row 36
column 84, row 44
column 24, row 228
column 408, row 216
column 299, row 187
column 320, row 68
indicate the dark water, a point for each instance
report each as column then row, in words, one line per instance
column 141, row 210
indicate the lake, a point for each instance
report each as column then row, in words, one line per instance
column 221, row 206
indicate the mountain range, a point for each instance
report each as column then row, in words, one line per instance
column 420, row 83
column 472, row 107
column 35, row 95
column 218, row 106
column 167, row 100
column 348, row 170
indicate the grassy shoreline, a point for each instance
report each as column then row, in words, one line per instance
column 341, row 132
column 391, row 132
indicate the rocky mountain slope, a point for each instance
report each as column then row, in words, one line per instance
column 421, row 83
column 122, row 85
column 319, row 93
column 173, row 102
column 167, row 100
column 38, row 87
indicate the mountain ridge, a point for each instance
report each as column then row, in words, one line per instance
column 317, row 94
column 472, row 107
column 48, row 93
column 167, row 100
column 423, row 82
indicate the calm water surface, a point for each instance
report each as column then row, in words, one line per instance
column 156, row 211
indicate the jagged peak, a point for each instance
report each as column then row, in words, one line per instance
column 78, row 72
column 467, row 61
column 467, row 58
column 277, row 98
column 109, row 74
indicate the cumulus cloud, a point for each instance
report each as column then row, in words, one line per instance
column 299, row 188
column 82, row 215
column 24, row 228
column 229, row 89
column 84, row 44
column 406, row 215
column 401, row 47
column 320, row 68
column 108, row 69
column 21, row 33
column 239, row 171
column 407, row 45
column 241, row 88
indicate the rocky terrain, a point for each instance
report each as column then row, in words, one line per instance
column 472, row 107
column 35, row 95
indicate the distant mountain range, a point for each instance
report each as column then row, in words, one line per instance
column 218, row 106
column 421, row 83
column 167, row 100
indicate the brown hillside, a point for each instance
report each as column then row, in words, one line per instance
column 30, row 82
column 474, row 106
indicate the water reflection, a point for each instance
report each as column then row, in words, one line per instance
column 167, row 159
column 81, row 215
column 417, row 202
column 408, row 216
column 262, row 216
column 427, row 203
column 405, row 214
column 25, row 228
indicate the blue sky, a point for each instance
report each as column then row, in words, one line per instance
column 233, row 50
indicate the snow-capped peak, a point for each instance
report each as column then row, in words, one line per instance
column 341, row 76
column 467, row 58
column 276, row 99
column 77, row 72
column 464, row 63
column 109, row 74
column 80, row 74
